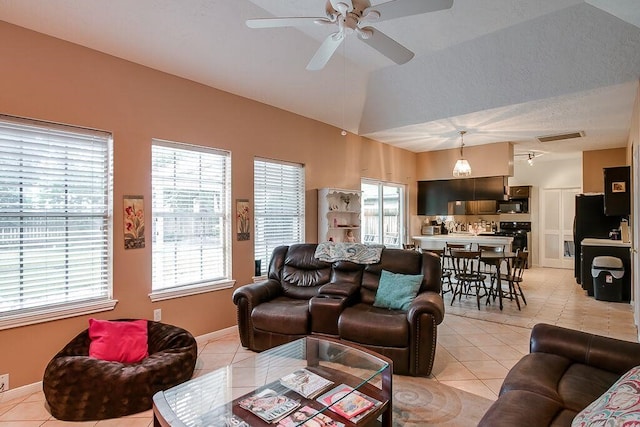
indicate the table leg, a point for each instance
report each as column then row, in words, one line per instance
column 499, row 283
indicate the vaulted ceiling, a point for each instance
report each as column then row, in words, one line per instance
column 504, row 70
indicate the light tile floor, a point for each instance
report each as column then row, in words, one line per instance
column 475, row 349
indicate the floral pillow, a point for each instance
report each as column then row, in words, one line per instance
column 618, row 406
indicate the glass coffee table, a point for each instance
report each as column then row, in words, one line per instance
column 343, row 384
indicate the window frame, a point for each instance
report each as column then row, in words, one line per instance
column 205, row 285
column 68, row 136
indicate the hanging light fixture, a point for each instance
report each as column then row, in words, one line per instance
column 462, row 167
column 530, row 160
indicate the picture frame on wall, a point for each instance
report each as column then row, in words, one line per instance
column 618, row 187
column 133, row 208
column 243, row 219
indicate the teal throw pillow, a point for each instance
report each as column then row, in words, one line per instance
column 396, row 290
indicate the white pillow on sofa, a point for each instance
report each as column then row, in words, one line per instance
column 617, row 406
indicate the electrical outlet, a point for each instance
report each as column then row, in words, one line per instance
column 157, row 314
column 4, row 382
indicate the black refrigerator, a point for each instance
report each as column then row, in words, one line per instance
column 590, row 221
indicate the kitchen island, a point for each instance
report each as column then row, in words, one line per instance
column 439, row 241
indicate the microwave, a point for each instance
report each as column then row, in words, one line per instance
column 514, row 206
column 430, row 230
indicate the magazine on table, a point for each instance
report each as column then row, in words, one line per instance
column 269, row 405
column 349, row 403
column 230, row 420
column 306, row 383
column 305, row 413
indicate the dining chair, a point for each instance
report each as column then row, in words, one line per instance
column 467, row 274
column 488, row 268
column 446, row 271
column 514, row 277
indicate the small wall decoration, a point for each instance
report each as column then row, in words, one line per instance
column 133, row 222
column 618, row 187
column 242, row 219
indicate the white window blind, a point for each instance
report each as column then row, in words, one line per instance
column 55, row 217
column 191, row 211
column 278, row 189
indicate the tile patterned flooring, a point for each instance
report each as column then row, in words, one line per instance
column 475, row 350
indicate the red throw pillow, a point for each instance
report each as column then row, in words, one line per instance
column 124, row 341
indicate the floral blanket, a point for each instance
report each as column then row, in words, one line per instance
column 354, row 252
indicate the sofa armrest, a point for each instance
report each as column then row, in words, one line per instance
column 341, row 289
column 606, row 353
column 257, row 293
column 426, row 303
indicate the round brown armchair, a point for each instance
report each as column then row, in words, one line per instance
column 80, row 388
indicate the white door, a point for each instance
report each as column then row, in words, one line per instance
column 557, row 209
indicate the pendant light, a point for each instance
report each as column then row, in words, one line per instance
column 462, row 167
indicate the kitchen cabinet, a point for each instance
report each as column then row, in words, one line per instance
column 486, row 207
column 339, row 215
column 434, row 197
column 489, row 188
column 472, row 207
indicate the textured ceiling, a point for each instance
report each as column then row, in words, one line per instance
column 505, row 70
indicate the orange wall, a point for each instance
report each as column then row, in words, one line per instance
column 49, row 79
column 485, row 160
column 594, row 161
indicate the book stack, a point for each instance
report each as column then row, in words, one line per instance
column 306, row 383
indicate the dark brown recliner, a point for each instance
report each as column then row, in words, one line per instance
column 80, row 388
column 565, row 371
column 406, row 337
column 304, row 296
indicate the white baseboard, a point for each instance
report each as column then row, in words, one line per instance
column 217, row 334
column 20, row 392
column 26, row 390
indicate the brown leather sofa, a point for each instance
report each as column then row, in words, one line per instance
column 565, row 371
column 304, row 296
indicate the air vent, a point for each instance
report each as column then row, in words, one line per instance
column 560, row 136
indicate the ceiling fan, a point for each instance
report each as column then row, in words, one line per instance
column 349, row 16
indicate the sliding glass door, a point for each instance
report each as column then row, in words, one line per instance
column 383, row 213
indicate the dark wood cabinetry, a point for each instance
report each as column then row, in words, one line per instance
column 434, row 196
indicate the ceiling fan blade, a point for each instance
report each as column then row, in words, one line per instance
column 284, row 22
column 385, row 45
column 326, row 50
column 399, row 8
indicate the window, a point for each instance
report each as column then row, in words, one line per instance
column 55, row 221
column 191, row 246
column 278, row 189
column 383, row 213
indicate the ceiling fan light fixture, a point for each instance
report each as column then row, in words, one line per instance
column 462, row 167
column 530, row 159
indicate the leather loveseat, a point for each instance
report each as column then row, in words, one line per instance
column 564, row 372
column 304, row 295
